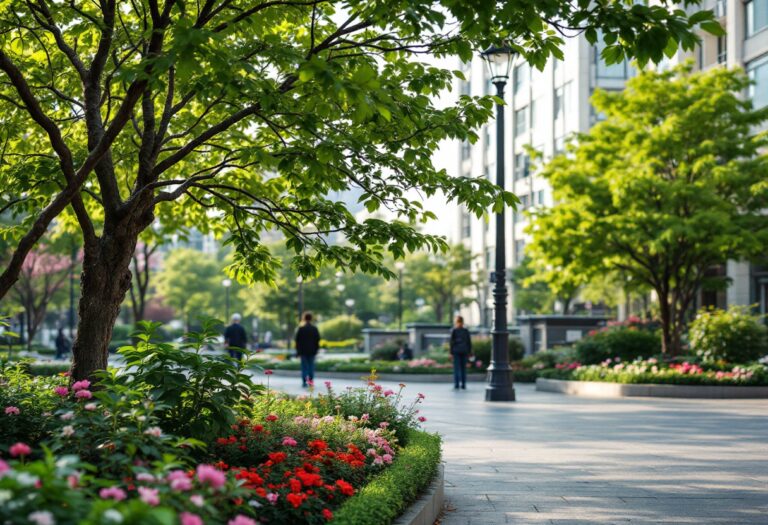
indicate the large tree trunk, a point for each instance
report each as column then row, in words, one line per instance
column 666, row 322
column 104, row 282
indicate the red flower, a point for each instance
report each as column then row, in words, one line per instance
column 295, row 485
column 258, row 428
column 296, row 499
column 327, row 514
column 271, row 417
column 318, row 445
column 277, row 457
column 345, row 488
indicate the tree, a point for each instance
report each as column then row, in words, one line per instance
column 671, row 183
column 442, row 279
column 141, row 271
column 239, row 116
column 532, row 294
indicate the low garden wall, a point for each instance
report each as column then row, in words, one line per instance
column 419, row 378
column 605, row 389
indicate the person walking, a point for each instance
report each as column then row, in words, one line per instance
column 235, row 338
column 307, row 346
column 63, row 345
column 461, row 347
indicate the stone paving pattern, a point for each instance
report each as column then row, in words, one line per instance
column 555, row 459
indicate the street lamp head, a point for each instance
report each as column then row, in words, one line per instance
column 400, row 266
column 226, row 283
column 499, row 61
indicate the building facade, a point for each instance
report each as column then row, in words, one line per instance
column 545, row 107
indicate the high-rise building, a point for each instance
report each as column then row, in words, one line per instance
column 545, row 107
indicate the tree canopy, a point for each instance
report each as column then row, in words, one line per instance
column 669, row 184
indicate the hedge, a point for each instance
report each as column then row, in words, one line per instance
column 390, row 493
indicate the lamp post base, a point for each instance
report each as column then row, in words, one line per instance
column 500, row 386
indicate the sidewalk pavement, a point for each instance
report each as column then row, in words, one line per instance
column 555, row 459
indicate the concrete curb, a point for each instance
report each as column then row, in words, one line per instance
column 599, row 389
column 418, row 378
column 428, row 507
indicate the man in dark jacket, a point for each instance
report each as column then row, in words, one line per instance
column 307, row 346
column 235, row 338
column 63, row 345
column 461, row 347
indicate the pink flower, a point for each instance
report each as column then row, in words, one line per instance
column 197, row 500
column 83, row 394
column 61, row 391
column 378, row 461
column 12, row 411
column 365, row 417
column 179, row 480
column 187, row 518
column 241, row 520
column 289, row 442
column 115, row 493
column 268, row 372
column 73, row 480
column 272, row 497
column 327, row 384
column 20, row 449
column 42, row 517
column 90, row 406
column 387, row 458
column 149, row 496
column 422, row 419
column 388, row 393
column 420, row 396
column 154, row 431
column 145, row 477
column 4, row 467
column 383, row 424
column 210, row 475
column 81, row 385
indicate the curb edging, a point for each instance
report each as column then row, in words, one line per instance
column 615, row 390
column 421, row 378
column 426, row 509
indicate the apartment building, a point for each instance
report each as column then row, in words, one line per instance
column 545, row 107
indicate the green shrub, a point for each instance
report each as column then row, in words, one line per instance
column 388, row 494
column 549, row 358
column 481, row 348
column 387, row 351
column 122, row 332
column 341, row 327
column 625, row 343
column 733, row 335
column 48, row 369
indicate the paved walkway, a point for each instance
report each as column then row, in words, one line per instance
column 555, row 459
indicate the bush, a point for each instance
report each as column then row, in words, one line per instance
column 122, row 332
column 387, row 351
column 481, row 348
column 625, row 343
column 382, row 500
column 735, row 335
column 341, row 327
column 549, row 358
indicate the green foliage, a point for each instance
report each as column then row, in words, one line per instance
column 200, row 393
column 734, row 335
column 387, row 351
column 545, row 359
column 625, row 343
column 670, row 183
column 482, row 348
column 382, row 500
column 341, row 327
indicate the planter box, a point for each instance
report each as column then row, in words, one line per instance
column 420, row 378
column 600, row 389
column 428, row 507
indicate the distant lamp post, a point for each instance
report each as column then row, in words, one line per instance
column 300, row 300
column 226, row 283
column 400, row 266
column 350, row 305
column 499, row 387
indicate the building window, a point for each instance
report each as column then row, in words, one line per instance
column 487, row 134
column 525, row 201
column 722, row 49
column 466, row 225
column 520, row 78
column 519, row 251
column 756, row 16
column 758, row 74
column 721, row 8
column 540, row 197
column 534, row 109
column 522, row 166
column 603, row 70
column 466, row 149
column 521, row 121
column 489, row 255
column 559, row 104
column 466, row 87
column 559, row 145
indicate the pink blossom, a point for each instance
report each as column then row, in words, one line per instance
column 61, row 391
column 211, row 475
column 378, row 461
column 73, row 480
column 327, row 384
column 365, row 417
column 90, row 406
column 12, row 411
column 19, row 449
column 197, row 500
column 289, row 442
column 41, row 517
column 420, row 396
column 388, row 393
column 154, row 431
column 422, row 419
column 4, row 467
column 383, row 424
column 241, row 520
column 179, row 480
column 272, row 497
column 81, row 385
column 115, row 493
column 187, row 518
column 145, row 477
column 83, row 394
column 268, row 372
column 66, row 416
column 387, row 458
column 149, row 496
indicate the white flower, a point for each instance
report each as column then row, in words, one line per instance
column 141, row 419
column 68, row 431
column 66, row 416
column 42, row 517
column 113, row 516
column 5, row 495
column 154, row 431
column 25, row 479
column 254, row 503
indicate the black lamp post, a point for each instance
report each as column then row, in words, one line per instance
column 499, row 387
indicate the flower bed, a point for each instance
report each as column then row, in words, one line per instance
column 178, row 437
column 651, row 371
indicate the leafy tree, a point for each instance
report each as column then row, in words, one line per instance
column 531, row 294
column 141, row 272
column 238, row 116
column 672, row 182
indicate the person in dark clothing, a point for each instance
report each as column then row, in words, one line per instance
column 405, row 353
column 63, row 345
column 461, row 348
column 307, row 346
column 235, row 338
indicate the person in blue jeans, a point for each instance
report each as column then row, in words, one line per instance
column 307, row 346
column 461, row 348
